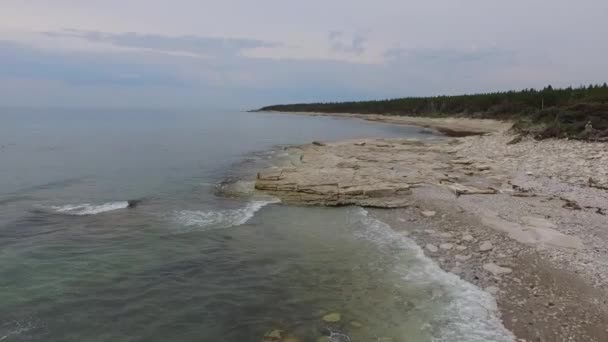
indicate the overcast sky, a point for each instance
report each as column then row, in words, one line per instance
column 244, row 54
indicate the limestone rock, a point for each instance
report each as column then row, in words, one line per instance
column 275, row 335
column 356, row 324
column 460, row 189
column 446, row 246
column 332, row 317
column 468, row 237
column 431, row 248
column 486, row 246
column 495, row 269
column 428, row 213
column 491, row 290
column 291, row 338
column 460, row 257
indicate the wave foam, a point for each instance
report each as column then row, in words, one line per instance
column 221, row 218
column 90, row 209
column 472, row 314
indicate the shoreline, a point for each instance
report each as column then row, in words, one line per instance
column 451, row 127
column 525, row 221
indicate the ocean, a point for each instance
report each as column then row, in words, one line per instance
column 142, row 225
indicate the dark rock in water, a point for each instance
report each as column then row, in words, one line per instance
column 133, row 203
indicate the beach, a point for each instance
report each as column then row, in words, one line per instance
column 524, row 220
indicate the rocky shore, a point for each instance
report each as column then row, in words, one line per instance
column 522, row 219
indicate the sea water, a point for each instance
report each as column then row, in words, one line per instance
column 116, row 225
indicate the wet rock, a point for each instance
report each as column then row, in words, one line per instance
column 275, row 335
column 486, row 246
column 332, row 317
column 495, row 269
column 428, row 213
column 356, row 324
column 431, row 248
column 292, row 338
column 318, row 143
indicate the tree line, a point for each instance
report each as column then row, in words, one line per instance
column 549, row 111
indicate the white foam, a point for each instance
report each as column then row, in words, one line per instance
column 90, row 209
column 472, row 314
column 221, row 218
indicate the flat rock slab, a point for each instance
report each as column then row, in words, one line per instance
column 370, row 173
column 533, row 231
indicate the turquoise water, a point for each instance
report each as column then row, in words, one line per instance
column 190, row 263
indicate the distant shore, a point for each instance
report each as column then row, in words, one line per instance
column 453, row 127
column 523, row 219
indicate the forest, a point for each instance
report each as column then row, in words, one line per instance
column 544, row 113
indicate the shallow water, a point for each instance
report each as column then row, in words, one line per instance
column 188, row 264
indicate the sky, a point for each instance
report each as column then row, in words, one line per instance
column 245, row 54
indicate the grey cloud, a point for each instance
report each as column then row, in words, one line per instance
column 212, row 46
column 342, row 42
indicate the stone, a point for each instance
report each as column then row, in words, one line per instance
column 275, row 335
column 446, row 246
column 291, row 338
column 468, row 237
column 356, row 324
column 446, row 235
column 533, row 231
column 431, row 248
column 495, row 269
column 332, row 317
column 461, row 248
column 486, row 246
column 491, row 290
column 459, row 189
column 461, row 257
column 456, row 270
column 428, row 213
column 482, row 167
column 318, row 143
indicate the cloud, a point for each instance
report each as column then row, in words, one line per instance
column 197, row 45
column 347, row 43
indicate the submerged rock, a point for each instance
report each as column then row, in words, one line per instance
column 332, row 317
column 275, row 335
column 356, row 324
column 292, row 338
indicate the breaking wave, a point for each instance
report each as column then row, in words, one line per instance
column 221, row 218
column 89, row 209
column 471, row 315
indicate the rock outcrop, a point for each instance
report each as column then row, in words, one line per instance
column 370, row 173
